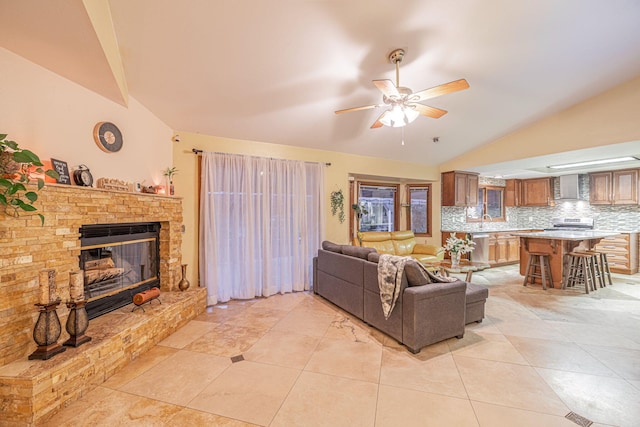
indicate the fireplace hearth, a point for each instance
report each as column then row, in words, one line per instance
column 118, row 260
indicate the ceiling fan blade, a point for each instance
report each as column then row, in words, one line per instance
column 387, row 87
column 365, row 107
column 378, row 123
column 440, row 90
column 425, row 110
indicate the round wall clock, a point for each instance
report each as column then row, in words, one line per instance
column 108, row 137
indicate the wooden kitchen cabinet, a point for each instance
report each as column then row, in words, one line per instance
column 459, row 188
column 513, row 249
column 513, row 192
column 537, row 192
column 503, row 248
column 614, row 188
column 622, row 252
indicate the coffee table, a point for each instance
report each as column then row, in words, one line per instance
column 465, row 267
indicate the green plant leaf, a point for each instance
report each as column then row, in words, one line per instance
column 5, row 182
column 15, row 188
column 3, row 199
column 26, row 156
column 53, row 174
column 31, row 195
column 40, row 183
column 2, row 136
column 25, row 206
column 41, row 218
column 11, row 144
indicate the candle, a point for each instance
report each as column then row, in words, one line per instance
column 76, row 285
column 47, row 282
column 53, row 295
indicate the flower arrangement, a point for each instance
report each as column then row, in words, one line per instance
column 456, row 245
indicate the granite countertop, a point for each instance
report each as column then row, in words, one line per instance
column 464, row 229
column 568, row 235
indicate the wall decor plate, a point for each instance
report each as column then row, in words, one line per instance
column 107, row 137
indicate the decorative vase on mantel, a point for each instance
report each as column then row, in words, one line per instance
column 184, row 284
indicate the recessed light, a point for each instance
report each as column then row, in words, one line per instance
column 594, row 162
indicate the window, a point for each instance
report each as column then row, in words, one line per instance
column 490, row 205
column 419, row 214
column 377, row 207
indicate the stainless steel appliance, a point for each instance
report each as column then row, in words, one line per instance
column 571, row 224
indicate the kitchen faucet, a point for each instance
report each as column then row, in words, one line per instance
column 482, row 219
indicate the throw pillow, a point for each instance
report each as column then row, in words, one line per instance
column 416, row 276
column 357, row 251
column 332, row 247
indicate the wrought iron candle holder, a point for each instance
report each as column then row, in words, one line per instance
column 46, row 332
column 77, row 324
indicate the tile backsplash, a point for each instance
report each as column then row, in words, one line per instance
column 617, row 218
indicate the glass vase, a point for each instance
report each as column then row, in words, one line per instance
column 455, row 259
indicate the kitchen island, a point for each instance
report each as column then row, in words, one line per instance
column 557, row 244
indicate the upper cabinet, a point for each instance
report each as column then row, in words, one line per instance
column 614, row 188
column 537, row 192
column 513, row 192
column 459, row 188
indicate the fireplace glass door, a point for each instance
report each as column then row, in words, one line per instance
column 112, row 268
column 118, row 260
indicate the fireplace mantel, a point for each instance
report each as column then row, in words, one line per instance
column 28, row 247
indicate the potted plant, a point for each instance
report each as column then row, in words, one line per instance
column 169, row 173
column 337, row 204
column 15, row 173
column 360, row 210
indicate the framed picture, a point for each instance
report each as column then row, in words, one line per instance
column 63, row 170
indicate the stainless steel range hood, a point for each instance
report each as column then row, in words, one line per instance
column 569, row 187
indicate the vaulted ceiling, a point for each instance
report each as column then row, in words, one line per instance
column 275, row 71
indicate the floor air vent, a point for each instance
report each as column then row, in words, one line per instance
column 578, row 419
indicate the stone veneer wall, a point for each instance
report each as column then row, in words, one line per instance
column 26, row 247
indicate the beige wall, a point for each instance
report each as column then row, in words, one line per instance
column 54, row 117
column 336, row 177
column 609, row 118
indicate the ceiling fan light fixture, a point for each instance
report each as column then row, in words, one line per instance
column 399, row 116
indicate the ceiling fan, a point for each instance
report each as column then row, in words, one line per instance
column 404, row 106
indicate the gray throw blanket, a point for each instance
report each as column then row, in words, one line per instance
column 390, row 269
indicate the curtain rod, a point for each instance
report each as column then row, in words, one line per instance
column 197, row 151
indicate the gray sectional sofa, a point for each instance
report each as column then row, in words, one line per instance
column 347, row 276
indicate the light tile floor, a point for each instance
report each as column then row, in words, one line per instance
column 536, row 357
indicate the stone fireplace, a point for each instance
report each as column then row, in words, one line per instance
column 30, row 391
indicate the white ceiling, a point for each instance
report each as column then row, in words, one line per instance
column 275, row 71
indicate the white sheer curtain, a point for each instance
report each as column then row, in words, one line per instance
column 261, row 223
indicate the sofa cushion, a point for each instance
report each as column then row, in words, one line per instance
column 379, row 240
column 333, row 247
column 415, row 275
column 476, row 293
column 373, row 257
column 403, row 242
column 357, row 251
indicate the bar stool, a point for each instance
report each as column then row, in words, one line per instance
column 603, row 262
column 580, row 271
column 538, row 267
column 597, row 268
